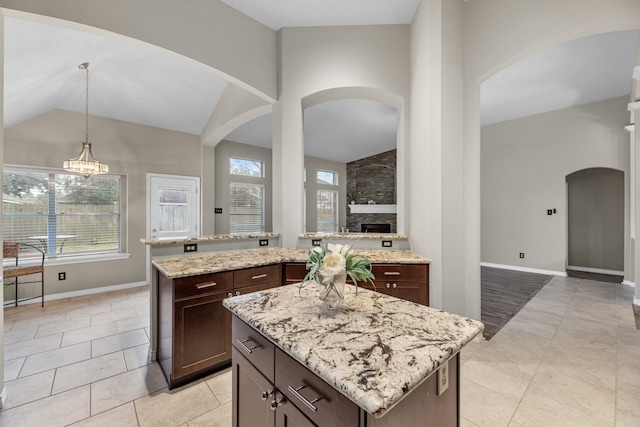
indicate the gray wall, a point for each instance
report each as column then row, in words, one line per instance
column 596, row 219
column 129, row 149
column 524, row 165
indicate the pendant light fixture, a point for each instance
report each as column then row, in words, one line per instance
column 84, row 163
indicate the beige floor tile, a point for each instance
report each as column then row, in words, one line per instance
column 483, row 406
column 136, row 357
column 502, row 376
column 12, row 368
column 112, row 316
column 56, row 358
column 8, row 324
column 88, row 371
column 63, row 326
column 57, row 410
column 171, row 408
column 118, row 342
column 220, row 384
column 132, row 323
column 539, row 410
column 65, row 304
column 122, row 416
column 588, row 331
column 34, row 318
column 123, row 388
column 219, row 417
column 130, row 302
column 575, row 393
column 26, row 348
column 28, row 389
column 21, row 334
column 88, row 310
column 466, row 423
column 90, row 333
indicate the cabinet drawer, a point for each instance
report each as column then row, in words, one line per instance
column 253, row 346
column 398, row 272
column 201, row 285
column 323, row 404
column 257, row 275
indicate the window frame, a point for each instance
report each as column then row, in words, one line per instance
column 78, row 256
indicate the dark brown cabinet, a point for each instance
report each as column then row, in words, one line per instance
column 272, row 389
column 407, row 281
column 194, row 328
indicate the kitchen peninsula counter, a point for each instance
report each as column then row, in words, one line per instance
column 213, row 262
column 374, row 350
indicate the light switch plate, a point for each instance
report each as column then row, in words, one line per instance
column 443, row 378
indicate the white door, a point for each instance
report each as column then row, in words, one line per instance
column 173, row 206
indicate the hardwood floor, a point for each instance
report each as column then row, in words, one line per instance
column 504, row 293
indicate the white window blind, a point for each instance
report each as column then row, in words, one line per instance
column 246, row 209
column 327, row 211
column 63, row 214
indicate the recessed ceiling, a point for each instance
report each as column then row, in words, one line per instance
column 578, row 72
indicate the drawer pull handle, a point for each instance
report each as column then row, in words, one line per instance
column 258, row 276
column 309, row 405
column 275, row 403
column 206, row 285
column 391, row 273
column 244, row 346
column 265, row 395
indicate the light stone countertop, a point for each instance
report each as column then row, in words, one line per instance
column 210, row 238
column 374, row 349
column 354, row 236
column 212, row 262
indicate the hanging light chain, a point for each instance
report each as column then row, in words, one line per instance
column 85, row 66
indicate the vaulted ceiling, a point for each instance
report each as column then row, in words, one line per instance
column 134, row 83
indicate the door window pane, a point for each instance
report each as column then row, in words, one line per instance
column 173, row 210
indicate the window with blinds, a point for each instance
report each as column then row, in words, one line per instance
column 327, row 211
column 246, row 210
column 63, row 214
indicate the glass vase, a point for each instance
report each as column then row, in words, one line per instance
column 333, row 293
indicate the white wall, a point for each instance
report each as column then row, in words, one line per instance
column 318, row 59
column 524, row 165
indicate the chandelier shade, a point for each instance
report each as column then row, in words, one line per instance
column 84, row 163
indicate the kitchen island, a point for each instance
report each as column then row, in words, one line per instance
column 376, row 361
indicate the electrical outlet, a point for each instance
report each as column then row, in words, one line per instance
column 443, row 378
column 264, row 242
column 549, row 211
column 316, row 242
column 387, row 243
column 191, row 247
column 521, row 254
column 218, row 210
column 62, row 276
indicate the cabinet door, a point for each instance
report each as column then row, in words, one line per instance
column 252, row 395
column 287, row 415
column 202, row 334
column 410, row 291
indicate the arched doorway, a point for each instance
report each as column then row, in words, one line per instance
column 595, row 221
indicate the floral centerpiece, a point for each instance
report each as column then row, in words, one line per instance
column 329, row 267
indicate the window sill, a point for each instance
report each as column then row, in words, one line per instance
column 86, row 258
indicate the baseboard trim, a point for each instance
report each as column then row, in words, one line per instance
column 82, row 292
column 524, row 269
column 596, row 270
column 628, row 283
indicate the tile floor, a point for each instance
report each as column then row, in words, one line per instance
column 571, row 357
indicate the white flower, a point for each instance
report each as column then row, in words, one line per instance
column 332, row 264
column 317, row 249
column 338, row 248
